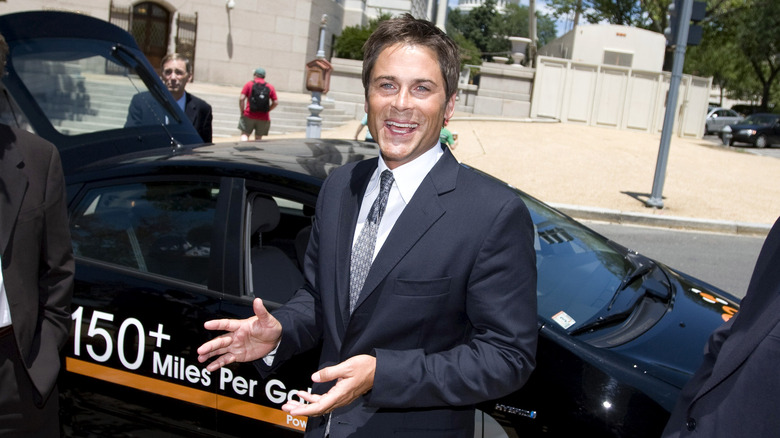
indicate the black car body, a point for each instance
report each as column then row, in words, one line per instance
column 760, row 130
column 167, row 238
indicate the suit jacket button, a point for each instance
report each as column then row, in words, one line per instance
column 690, row 424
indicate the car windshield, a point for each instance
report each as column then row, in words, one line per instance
column 84, row 86
column 595, row 271
column 761, row 119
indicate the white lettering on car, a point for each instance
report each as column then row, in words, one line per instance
column 131, row 349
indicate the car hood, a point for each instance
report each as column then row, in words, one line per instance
column 697, row 309
column 71, row 79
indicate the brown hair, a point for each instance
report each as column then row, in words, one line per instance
column 177, row 57
column 408, row 30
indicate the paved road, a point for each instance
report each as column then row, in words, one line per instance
column 723, row 260
column 770, row 151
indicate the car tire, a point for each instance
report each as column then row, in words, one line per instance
column 760, row 142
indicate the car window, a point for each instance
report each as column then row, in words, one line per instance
column 158, row 227
column 761, row 119
column 83, row 89
column 276, row 238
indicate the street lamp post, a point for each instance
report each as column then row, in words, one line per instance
column 681, row 39
column 314, row 121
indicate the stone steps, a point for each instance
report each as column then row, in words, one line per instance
column 107, row 111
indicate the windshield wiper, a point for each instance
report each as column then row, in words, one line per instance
column 641, row 267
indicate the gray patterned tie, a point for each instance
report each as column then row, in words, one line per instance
column 363, row 251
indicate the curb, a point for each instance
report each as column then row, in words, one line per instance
column 676, row 222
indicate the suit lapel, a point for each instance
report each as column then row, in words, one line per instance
column 13, row 185
column 420, row 214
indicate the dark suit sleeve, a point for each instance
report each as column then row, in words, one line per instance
column 134, row 112
column 200, row 114
column 55, row 279
column 205, row 132
column 501, row 307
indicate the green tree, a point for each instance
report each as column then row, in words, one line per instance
column 514, row 22
column 469, row 53
column 349, row 44
column 488, row 29
column 646, row 14
column 477, row 26
column 740, row 49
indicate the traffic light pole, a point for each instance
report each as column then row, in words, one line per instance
column 681, row 40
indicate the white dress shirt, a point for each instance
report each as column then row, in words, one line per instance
column 407, row 178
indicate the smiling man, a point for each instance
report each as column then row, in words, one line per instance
column 420, row 273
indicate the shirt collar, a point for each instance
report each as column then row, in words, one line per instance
column 409, row 176
column 183, row 100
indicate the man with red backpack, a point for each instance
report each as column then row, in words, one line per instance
column 256, row 101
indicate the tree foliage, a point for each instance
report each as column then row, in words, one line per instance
column 349, row 44
column 645, row 14
column 741, row 49
column 489, row 30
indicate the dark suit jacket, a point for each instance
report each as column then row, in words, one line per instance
column 736, row 391
column 448, row 307
column 145, row 110
column 199, row 113
column 36, row 251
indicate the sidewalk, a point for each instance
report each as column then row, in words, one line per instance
column 606, row 174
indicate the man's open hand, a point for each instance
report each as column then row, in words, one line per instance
column 246, row 339
column 355, row 377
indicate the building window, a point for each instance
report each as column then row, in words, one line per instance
column 622, row 59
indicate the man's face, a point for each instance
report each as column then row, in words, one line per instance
column 175, row 77
column 407, row 102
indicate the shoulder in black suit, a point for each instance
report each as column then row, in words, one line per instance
column 199, row 113
column 736, row 390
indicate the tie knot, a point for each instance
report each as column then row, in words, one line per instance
column 387, row 181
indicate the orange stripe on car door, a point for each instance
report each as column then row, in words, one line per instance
column 180, row 392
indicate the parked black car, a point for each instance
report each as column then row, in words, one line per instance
column 760, row 130
column 169, row 236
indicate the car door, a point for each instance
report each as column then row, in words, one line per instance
column 145, row 251
column 729, row 117
column 275, row 226
column 774, row 136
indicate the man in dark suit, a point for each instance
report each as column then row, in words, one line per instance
column 176, row 73
column 36, row 283
column 446, row 315
column 736, row 390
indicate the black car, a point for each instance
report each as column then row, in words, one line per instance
column 760, row 130
column 168, row 237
